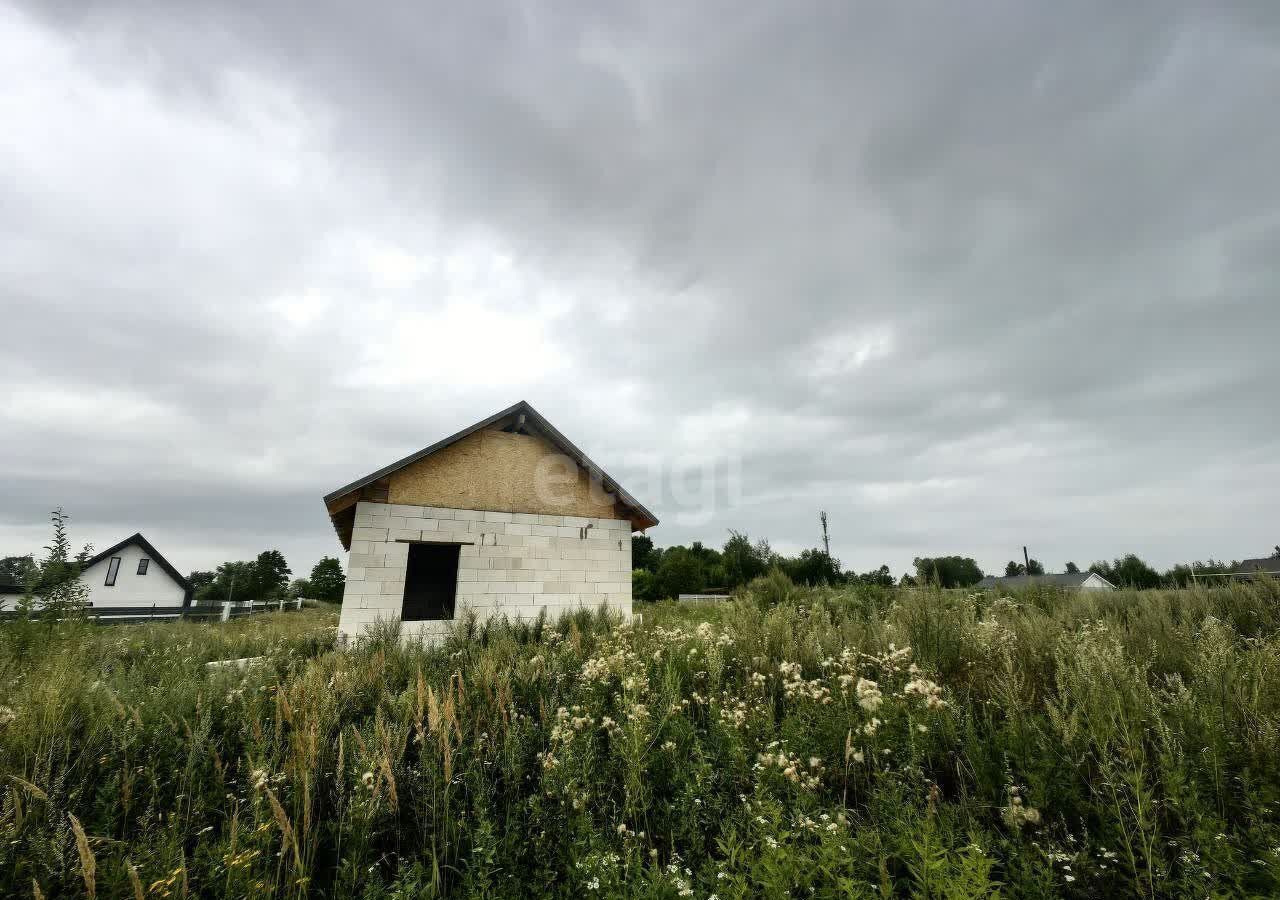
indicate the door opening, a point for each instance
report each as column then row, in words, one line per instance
column 430, row 582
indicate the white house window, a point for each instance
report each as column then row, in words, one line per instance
column 142, row 565
column 113, row 569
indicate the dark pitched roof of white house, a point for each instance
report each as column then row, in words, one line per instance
column 1062, row 579
column 524, row 416
column 1268, row 564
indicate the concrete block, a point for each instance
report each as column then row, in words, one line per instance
column 360, row 546
column 404, row 534
column 367, row 533
column 375, row 511
column 521, row 528
column 355, row 573
column 495, row 516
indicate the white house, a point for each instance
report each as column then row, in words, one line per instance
column 132, row 573
column 504, row 518
column 1079, row 581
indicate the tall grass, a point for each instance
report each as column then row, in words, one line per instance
column 790, row 743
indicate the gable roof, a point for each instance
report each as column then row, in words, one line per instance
column 520, row 415
column 1268, row 564
column 152, row 553
column 1061, row 579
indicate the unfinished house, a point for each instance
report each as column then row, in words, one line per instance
column 504, row 518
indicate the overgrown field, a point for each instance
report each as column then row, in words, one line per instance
column 792, row 743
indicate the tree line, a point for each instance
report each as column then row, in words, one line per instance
column 668, row 572
column 660, row 573
column 265, row 579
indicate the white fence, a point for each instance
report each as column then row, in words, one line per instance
column 223, row 612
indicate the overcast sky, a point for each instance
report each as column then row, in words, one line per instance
column 967, row 276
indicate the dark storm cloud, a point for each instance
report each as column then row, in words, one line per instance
column 967, row 277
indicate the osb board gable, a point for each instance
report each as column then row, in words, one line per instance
column 501, row 471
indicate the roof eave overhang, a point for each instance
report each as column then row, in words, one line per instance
column 336, row 502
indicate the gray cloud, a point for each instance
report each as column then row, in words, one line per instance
column 966, row 277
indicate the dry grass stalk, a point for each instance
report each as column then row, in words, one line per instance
column 390, row 778
column 135, row 881
column 36, row 893
column 433, row 712
column 286, row 828
column 364, row 749
column 30, row 788
column 88, row 865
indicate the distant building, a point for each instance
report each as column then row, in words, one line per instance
column 1251, row 568
column 1074, row 581
column 130, row 574
column 133, row 573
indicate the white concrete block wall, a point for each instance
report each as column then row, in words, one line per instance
column 509, row 564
